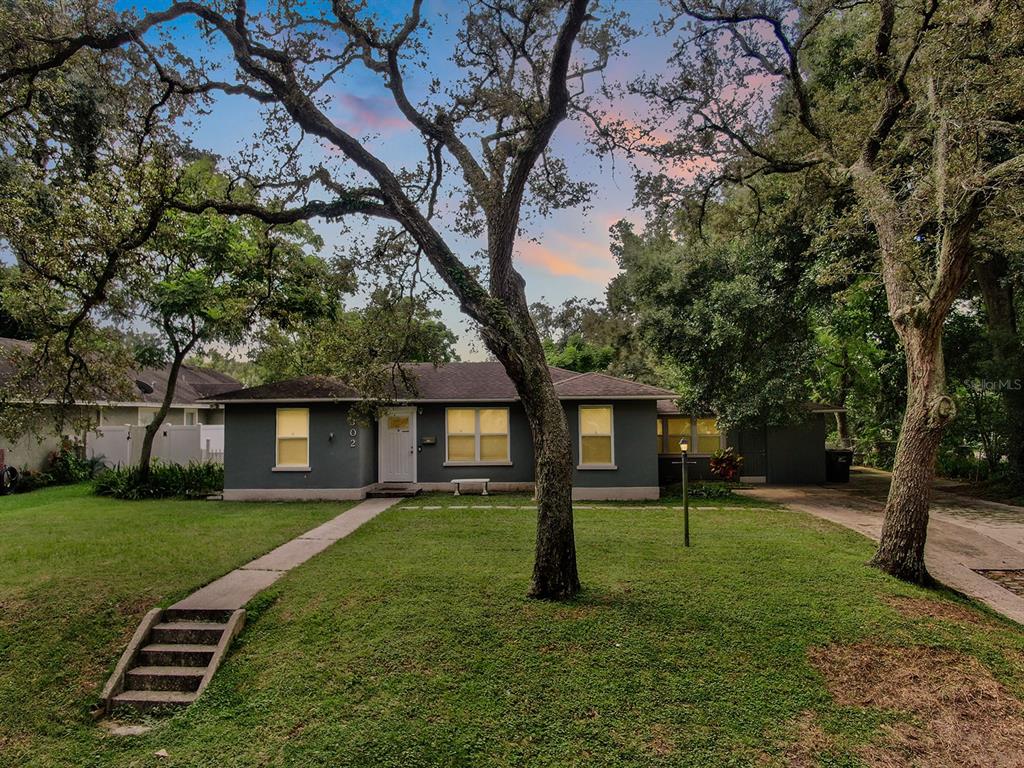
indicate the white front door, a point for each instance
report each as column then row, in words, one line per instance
column 398, row 446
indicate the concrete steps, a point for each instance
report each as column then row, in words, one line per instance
column 171, row 658
column 165, row 678
column 393, row 491
column 147, row 701
column 199, row 632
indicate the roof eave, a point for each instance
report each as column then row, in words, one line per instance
column 417, row 400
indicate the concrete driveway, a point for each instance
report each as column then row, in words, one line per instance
column 965, row 535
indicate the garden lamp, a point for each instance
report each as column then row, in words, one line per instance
column 684, row 447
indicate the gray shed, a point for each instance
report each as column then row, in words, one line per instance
column 788, row 454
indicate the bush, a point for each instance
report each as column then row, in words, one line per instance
column 166, row 481
column 960, row 467
column 725, row 465
column 31, row 480
column 65, row 466
column 698, row 490
column 710, row 490
column 68, row 465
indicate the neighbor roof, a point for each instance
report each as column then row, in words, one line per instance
column 194, row 383
column 452, row 382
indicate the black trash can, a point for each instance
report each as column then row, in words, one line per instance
column 837, row 465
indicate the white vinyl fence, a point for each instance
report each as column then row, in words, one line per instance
column 211, row 442
column 174, row 444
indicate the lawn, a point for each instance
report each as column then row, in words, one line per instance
column 411, row 643
column 77, row 572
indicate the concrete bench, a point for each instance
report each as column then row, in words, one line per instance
column 475, row 480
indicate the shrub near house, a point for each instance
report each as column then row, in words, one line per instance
column 192, row 480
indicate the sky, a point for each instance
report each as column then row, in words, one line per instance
column 563, row 255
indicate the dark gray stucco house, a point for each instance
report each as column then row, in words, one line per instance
column 300, row 439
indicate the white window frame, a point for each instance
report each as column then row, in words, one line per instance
column 278, row 467
column 195, row 417
column 477, row 462
column 579, row 436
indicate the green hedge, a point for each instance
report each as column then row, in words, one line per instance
column 195, row 479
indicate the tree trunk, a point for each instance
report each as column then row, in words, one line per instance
column 555, row 576
column 843, row 429
column 992, row 271
column 554, row 567
column 146, row 455
column 842, row 394
column 905, row 527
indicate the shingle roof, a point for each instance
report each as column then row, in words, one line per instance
column 194, row 383
column 669, row 408
column 453, row 382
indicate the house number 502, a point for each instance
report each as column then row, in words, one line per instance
column 352, row 433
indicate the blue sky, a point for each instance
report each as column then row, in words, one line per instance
column 567, row 254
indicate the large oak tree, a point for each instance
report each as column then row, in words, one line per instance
column 917, row 106
column 519, row 69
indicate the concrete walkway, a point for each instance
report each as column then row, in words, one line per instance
column 964, row 534
column 235, row 589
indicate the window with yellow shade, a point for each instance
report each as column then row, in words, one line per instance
column 678, row 428
column 477, row 436
column 661, row 436
column 709, row 436
column 596, row 449
column 293, row 437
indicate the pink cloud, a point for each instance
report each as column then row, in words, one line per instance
column 570, row 256
column 369, row 114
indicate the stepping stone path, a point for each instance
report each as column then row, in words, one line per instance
column 175, row 651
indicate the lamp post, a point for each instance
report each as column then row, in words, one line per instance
column 684, row 447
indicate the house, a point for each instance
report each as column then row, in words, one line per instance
column 792, row 453
column 148, row 386
column 302, row 438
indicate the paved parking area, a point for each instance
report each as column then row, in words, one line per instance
column 965, row 535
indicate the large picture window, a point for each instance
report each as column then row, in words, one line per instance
column 477, row 436
column 293, row 437
column 596, row 439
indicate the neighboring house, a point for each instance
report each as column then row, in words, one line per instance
column 780, row 454
column 299, row 439
column 148, row 387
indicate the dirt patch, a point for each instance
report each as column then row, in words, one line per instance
column 957, row 713
column 918, row 608
column 807, row 743
column 659, row 742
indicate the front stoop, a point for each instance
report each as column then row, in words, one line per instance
column 393, row 491
column 171, row 658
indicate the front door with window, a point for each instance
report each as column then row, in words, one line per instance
column 398, row 446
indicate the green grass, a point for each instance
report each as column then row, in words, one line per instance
column 77, row 572
column 670, row 497
column 411, row 643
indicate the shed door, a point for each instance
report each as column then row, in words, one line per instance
column 398, row 446
column 753, row 447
